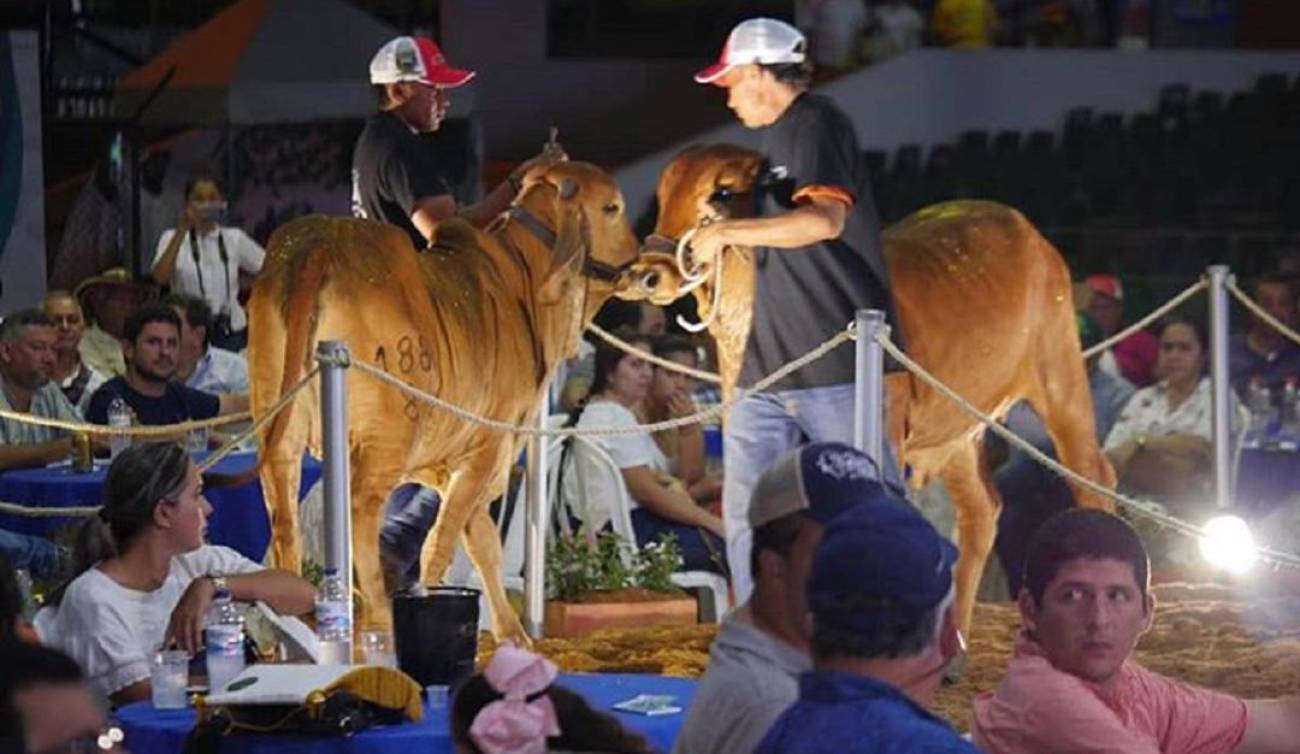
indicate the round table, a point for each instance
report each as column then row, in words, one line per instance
column 238, row 517
column 152, row 731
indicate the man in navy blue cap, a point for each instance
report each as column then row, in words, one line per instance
column 763, row 646
column 883, row 632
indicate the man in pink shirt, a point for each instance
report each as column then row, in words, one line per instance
column 1072, row 687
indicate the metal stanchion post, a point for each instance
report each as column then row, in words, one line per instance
column 1221, row 386
column 869, row 385
column 334, row 424
column 536, row 517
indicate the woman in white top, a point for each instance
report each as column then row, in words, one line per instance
column 670, row 398
column 203, row 258
column 1160, row 443
column 662, row 504
column 147, row 579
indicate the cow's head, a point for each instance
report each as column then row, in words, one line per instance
column 593, row 242
column 704, row 182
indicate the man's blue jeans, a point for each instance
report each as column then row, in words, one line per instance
column 37, row 555
column 760, row 429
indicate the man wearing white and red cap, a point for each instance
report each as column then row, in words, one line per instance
column 818, row 247
column 394, row 177
column 1133, row 358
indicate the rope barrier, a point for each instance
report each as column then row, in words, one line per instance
column 1143, row 508
column 18, row 509
column 137, row 430
column 1260, row 312
column 1141, row 324
column 658, row 361
column 681, row 421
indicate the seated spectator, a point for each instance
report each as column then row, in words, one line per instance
column 1031, row 492
column 1262, row 352
column 964, row 24
column 1133, row 358
column 662, row 503
column 77, row 379
column 27, row 341
column 1072, row 685
column 146, row 580
column 763, row 646
column 46, row 706
column 1160, row 444
column 109, row 299
column 152, row 345
column 670, row 398
column 577, row 374
column 514, row 707
column 37, row 555
column 202, row 365
column 883, row 634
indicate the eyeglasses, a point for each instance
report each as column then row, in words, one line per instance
column 107, row 740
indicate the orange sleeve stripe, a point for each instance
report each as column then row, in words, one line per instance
column 834, row 193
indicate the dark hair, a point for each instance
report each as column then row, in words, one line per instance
column 794, row 74
column 1274, row 278
column 139, row 478
column 11, row 602
column 1083, row 534
column 607, row 359
column 197, row 311
column 777, row 535
column 581, row 727
column 27, row 665
column 888, row 639
column 202, row 178
column 670, row 343
column 146, row 315
column 617, row 314
column 13, row 323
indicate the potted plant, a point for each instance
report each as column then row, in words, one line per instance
column 601, row 581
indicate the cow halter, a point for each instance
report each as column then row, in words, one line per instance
column 592, row 268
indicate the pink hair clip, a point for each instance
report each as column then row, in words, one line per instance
column 514, row 725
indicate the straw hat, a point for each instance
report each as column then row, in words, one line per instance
column 113, row 277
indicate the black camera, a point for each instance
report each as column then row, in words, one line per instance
column 221, row 330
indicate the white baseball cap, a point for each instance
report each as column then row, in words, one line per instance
column 415, row 59
column 759, row 40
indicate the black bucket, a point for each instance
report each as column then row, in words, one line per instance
column 437, row 635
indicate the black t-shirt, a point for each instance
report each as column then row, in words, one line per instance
column 391, row 171
column 806, row 295
column 177, row 404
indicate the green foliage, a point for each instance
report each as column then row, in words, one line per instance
column 581, row 564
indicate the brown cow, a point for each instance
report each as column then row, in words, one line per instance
column 480, row 319
column 984, row 302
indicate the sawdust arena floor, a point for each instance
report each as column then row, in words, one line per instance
column 1203, row 634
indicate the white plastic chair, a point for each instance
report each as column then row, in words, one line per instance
column 596, row 470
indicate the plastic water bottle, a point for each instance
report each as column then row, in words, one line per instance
column 1290, row 406
column 1260, row 403
column 334, row 620
column 119, row 417
column 225, row 641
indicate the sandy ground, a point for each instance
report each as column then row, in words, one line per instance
column 1203, row 634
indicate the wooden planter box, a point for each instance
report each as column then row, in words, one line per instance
column 625, row 609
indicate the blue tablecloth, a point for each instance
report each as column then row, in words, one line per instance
column 238, row 513
column 153, row 731
column 1267, row 477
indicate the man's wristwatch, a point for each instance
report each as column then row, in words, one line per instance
column 219, row 583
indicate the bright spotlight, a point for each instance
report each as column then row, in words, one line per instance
column 1227, row 543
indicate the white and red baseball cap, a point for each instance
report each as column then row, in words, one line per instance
column 415, row 59
column 1106, row 285
column 765, row 41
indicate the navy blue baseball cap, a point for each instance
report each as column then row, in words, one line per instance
column 880, row 563
column 820, row 480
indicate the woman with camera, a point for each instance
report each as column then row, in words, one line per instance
column 203, row 258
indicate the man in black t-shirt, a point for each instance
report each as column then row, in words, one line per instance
column 394, row 176
column 818, row 259
column 151, row 345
